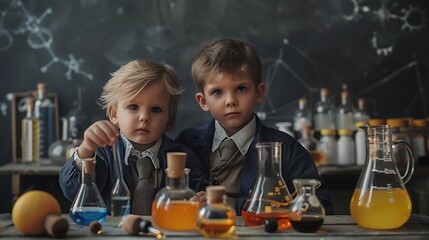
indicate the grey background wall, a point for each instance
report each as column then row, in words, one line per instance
column 376, row 49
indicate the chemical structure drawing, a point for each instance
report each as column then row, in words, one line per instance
column 413, row 18
column 38, row 37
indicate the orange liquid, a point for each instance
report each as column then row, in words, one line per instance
column 252, row 219
column 216, row 228
column 176, row 215
column 380, row 209
column 318, row 157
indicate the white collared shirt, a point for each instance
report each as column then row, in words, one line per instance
column 242, row 138
column 151, row 152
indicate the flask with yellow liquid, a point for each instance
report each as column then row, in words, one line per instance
column 380, row 199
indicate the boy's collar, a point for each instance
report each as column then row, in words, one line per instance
column 129, row 149
column 243, row 138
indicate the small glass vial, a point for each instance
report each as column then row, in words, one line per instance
column 346, row 148
column 360, row 143
column 345, row 111
column 88, row 205
column 302, row 115
column 306, row 213
column 419, row 141
column 44, row 110
column 361, row 114
column 324, row 112
column 328, row 144
column 216, row 218
column 30, row 135
column 172, row 208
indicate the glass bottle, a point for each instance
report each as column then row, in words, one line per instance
column 360, row 147
column 306, row 213
column 57, row 151
column 269, row 197
column 344, row 113
column 172, row 208
column 419, row 141
column 30, row 134
column 44, row 110
column 120, row 196
column 380, row 199
column 328, row 145
column 216, row 218
column 88, row 204
column 361, row 114
column 346, row 148
column 302, row 115
column 324, row 112
column 312, row 145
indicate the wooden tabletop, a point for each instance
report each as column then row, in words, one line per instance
column 334, row 227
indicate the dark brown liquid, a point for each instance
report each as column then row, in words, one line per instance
column 307, row 224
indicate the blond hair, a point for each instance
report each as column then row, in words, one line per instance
column 130, row 79
column 226, row 56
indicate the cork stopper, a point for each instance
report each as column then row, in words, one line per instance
column 302, row 103
column 215, row 194
column 29, row 101
column 41, row 86
column 344, row 95
column 176, row 164
column 88, row 166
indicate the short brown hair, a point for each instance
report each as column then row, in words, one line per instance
column 228, row 56
column 131, row 78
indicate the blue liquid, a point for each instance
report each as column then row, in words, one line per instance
column 85, row 215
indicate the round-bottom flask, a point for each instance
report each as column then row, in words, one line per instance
column 88, row 204
column 172, row 208
column 216, row 218
column 306, row 213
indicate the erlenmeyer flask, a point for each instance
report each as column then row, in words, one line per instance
column 120, row 197
column 269, row 197
column 88, row 204
column 380, row 199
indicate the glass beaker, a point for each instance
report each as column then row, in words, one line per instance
column 172, row 208
column 380, row 199
column 120, row 196
column 306, row 213
column 88, row 204
column 269, row 197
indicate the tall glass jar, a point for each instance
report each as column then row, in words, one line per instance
column 324, row 112
column 172, row 208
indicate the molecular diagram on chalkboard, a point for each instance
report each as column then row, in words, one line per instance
column 412, row 18
column 38, row 37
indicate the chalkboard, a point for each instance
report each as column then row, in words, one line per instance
column 376, row 49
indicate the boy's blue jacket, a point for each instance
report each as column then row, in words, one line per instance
column 70, row 177
column 296, row 160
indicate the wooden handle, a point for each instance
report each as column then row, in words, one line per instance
column 56, row 226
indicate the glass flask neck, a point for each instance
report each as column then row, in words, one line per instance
column 88, row 171
column 305, row 187
column 269, row 157
column 177, row 182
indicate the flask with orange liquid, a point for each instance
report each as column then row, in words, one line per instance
column 269, row 197
column 172, row 208
column 380, row 199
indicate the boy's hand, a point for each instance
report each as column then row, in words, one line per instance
column 99, row 134
column 200, row 197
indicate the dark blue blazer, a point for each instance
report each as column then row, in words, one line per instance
column 296, row 160
column 70, row 176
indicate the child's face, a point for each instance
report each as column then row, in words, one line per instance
column 231, row 100
column 144, row 119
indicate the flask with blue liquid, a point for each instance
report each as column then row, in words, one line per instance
column 88, row 205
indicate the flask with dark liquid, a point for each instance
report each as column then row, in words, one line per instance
column 269, row 197
column 306, row 213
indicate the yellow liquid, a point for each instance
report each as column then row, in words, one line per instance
column 216, row 228
column 380, row 209
column 175, row 215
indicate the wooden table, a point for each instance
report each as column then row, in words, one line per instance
column 334, row 227
column 44, row 167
